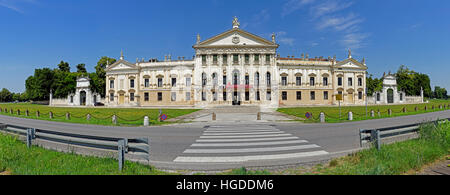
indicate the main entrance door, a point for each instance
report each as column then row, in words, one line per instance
column 390, row 96
column 121, row 99
column 83, row 98
column 236, row 98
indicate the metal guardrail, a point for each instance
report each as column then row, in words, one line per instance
column 376, row 135
column 139, row 147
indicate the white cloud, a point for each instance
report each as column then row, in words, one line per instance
column 329, row 7
column 14, row 4
column 354, row 40
column 348, row 23
column 294, row 5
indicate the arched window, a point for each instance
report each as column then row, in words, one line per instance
column 257, row 79
column 215, row 79
column 268, row 79
column 204, row 79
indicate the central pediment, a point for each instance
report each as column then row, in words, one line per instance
column 236, row 38
column 122, row 65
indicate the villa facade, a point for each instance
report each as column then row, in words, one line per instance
column 236, row 68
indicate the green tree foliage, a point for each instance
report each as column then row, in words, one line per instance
column 440, row 93
column 64, row 66
column 38, row 86
column 5, row 95
column 98, row 79
column 81, row 68
column 374, row 85
column 411, row 82
column 62, row 82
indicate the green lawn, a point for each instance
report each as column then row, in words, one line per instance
column 17, row 159
column 394, row 159
column 99, row 116
column 359, row 112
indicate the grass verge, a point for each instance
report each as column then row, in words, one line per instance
column 99, row 116
column 17, row 159
column 359, row 112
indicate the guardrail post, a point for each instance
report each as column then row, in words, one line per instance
column 372, row 113
column 121, row 150
column 27, row 113
column 67, row 116
column 379, row 113
column 50, row 114
column 390, row 112
column 146, row 121
column 88, row 117
column 38, row 114
column 378, row 141
column 440, row 107
column 322, row 117
column 10, row 111
column 114, row 119
column 30, row 136
column 350, row 116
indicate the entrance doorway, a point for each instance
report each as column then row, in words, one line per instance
column 121, row 99
column 82, row 98
column 390, row 96
column 236, row 98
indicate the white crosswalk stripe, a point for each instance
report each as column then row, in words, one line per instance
column 232, row 143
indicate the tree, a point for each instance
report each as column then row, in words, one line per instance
column 64, row 66
column 374, row 85
column 5, row 95
column 440, row 93
column 38, row 86
column 412, row 82
column 81, row 68
column 98, row 79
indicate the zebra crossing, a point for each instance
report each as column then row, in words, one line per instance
column 241, row 143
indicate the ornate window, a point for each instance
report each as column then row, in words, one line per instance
column 325, row 81
column 284, row 95
column 298, row 81
column 299, row 95
column 131, row 97
column 268, row 79
column 312, row 81
column 146, row 97
column 325, row 95
column 147, row 83
column 257, row 79
column 174, row 82
column 313, row 95
column 284, row 81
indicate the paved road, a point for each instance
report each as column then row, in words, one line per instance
column 231, row 144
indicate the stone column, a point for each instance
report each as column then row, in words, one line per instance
column 146, row 121
column 322, row 117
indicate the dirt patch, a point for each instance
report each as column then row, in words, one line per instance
column 5, row 173
column 441, row 167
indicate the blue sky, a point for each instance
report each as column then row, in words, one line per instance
column 41, row 33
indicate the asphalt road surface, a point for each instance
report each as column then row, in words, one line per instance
column 230, row 144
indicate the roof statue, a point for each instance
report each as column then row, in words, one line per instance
column 198, row 38
column 273, row 38
column 121, row 55
column 236, row 23
column 349, row 53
